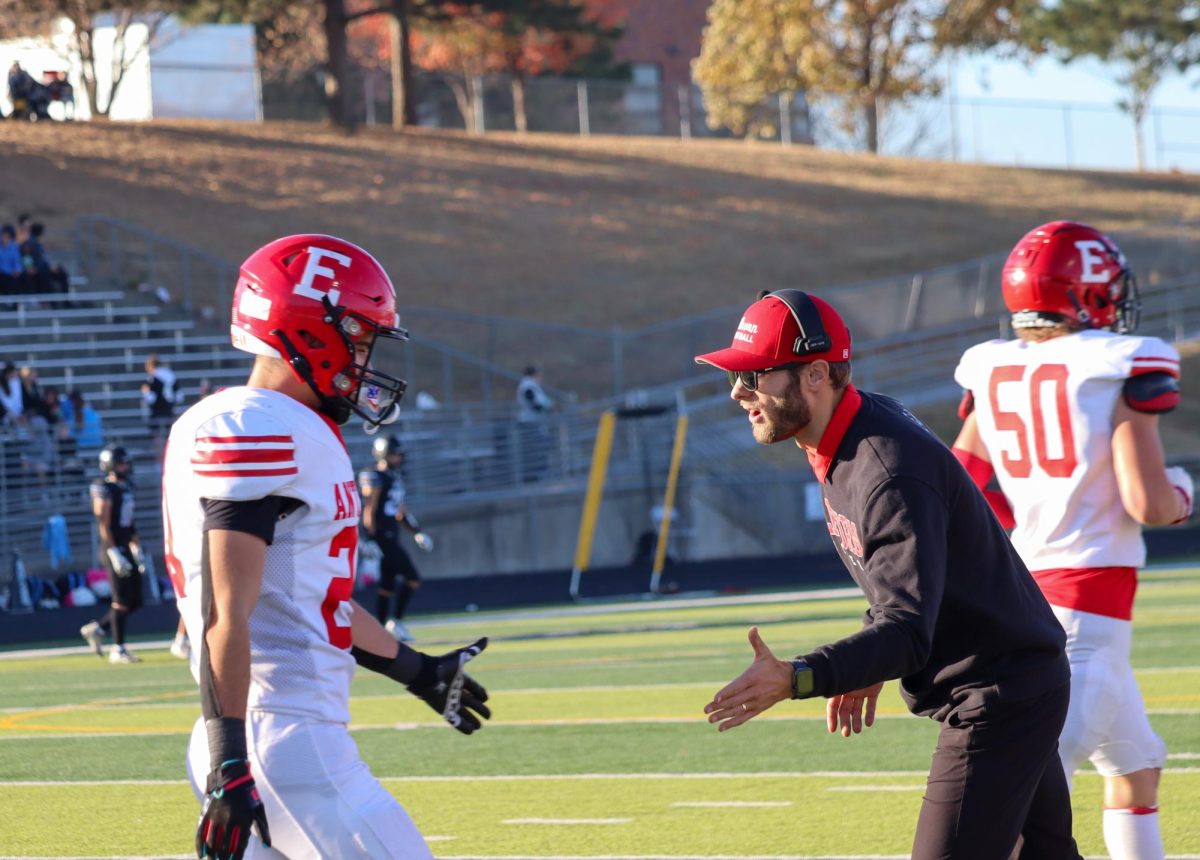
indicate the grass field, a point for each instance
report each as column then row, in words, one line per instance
column 598, row 747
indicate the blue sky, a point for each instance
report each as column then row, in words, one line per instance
column 1053, row 115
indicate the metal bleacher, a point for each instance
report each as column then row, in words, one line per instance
column 910, row 333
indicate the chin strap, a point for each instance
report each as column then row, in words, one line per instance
column 372, row 427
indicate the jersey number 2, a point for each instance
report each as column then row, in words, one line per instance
column 1021, row 466
column 340, row 587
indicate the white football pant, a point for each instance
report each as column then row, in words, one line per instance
column 1106, row 721
column 321, row 800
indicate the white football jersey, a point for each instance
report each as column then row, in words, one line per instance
column 242, row 444
column 1045, row 414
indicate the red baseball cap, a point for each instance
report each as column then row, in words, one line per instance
column 771, row 334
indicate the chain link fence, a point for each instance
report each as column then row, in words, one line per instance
column 1043, row 133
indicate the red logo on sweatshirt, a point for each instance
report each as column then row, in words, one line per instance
column 844, row 530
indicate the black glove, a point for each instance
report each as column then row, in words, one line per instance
column 231, row 802
column 231, row 806
column 452, row 692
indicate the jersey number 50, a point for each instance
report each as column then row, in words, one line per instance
column 1054, row 376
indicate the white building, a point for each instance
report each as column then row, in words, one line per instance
column 207, row 71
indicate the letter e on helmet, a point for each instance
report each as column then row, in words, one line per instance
column 320, row 303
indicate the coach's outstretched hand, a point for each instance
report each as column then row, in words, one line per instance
column 231, row 807
column 453, row 693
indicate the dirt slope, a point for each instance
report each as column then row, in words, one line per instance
column 590, row 231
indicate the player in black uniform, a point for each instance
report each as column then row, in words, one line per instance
column 384, row 512
column 953, row 612
column 112, row 505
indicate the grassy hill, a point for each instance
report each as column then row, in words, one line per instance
column 590, row 231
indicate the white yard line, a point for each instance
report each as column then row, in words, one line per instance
column 731, row 804
column 496, row 725
column 67, row 650
column 566, row 821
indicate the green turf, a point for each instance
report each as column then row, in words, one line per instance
column 597, row 716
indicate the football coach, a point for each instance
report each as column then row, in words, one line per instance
column 953, row 612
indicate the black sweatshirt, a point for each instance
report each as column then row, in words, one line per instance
column 954, row 613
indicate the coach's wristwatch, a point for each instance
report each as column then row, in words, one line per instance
column 802, row 680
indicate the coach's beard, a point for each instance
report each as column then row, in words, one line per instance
column 782, row 421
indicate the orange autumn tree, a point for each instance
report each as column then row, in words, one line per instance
column 519, row 38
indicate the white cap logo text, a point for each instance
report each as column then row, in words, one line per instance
column 746, row 331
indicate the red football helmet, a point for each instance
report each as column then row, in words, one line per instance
column 311, row 300
column 1069, row 272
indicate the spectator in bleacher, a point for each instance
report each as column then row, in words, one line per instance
column 159, row 393
column 52, row 406
column 37, row 449
column 33, row 399
column 42, row 275
column 10, row 261
column 60, row 427
column 85, row 424
column 12, row 400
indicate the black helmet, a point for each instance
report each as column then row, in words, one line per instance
column 384, row 446
column 111, row 457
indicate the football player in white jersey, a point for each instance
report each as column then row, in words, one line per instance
column 1066, row 415
column 261, row 514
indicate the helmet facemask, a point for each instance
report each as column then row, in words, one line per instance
column 358, row 387
column 1123, row 293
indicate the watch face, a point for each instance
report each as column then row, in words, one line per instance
column 802, row 679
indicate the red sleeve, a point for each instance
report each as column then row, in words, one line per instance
column 1001, row 508
column 979, row 469
column 966, row 406
column 981, row 472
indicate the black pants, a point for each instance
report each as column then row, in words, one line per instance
column 396, row 563
column 996, row 787
column 127, row 587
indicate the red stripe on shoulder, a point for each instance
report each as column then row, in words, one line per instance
column 247, row 473
column 217, row 440
column 1143, row 370
column 244, row 455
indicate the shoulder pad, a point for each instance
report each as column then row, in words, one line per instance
column 975, row 362
column 1152, row 392
column 369, row 478
column 239, row 456
column 101, row 490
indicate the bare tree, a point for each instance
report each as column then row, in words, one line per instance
column 36, row 17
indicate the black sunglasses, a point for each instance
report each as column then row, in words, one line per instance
column 749, row 378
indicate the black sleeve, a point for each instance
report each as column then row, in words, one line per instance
column 1152, row 393
column 904, row 546
column 254, row 517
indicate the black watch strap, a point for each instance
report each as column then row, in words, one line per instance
column 802, row 680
